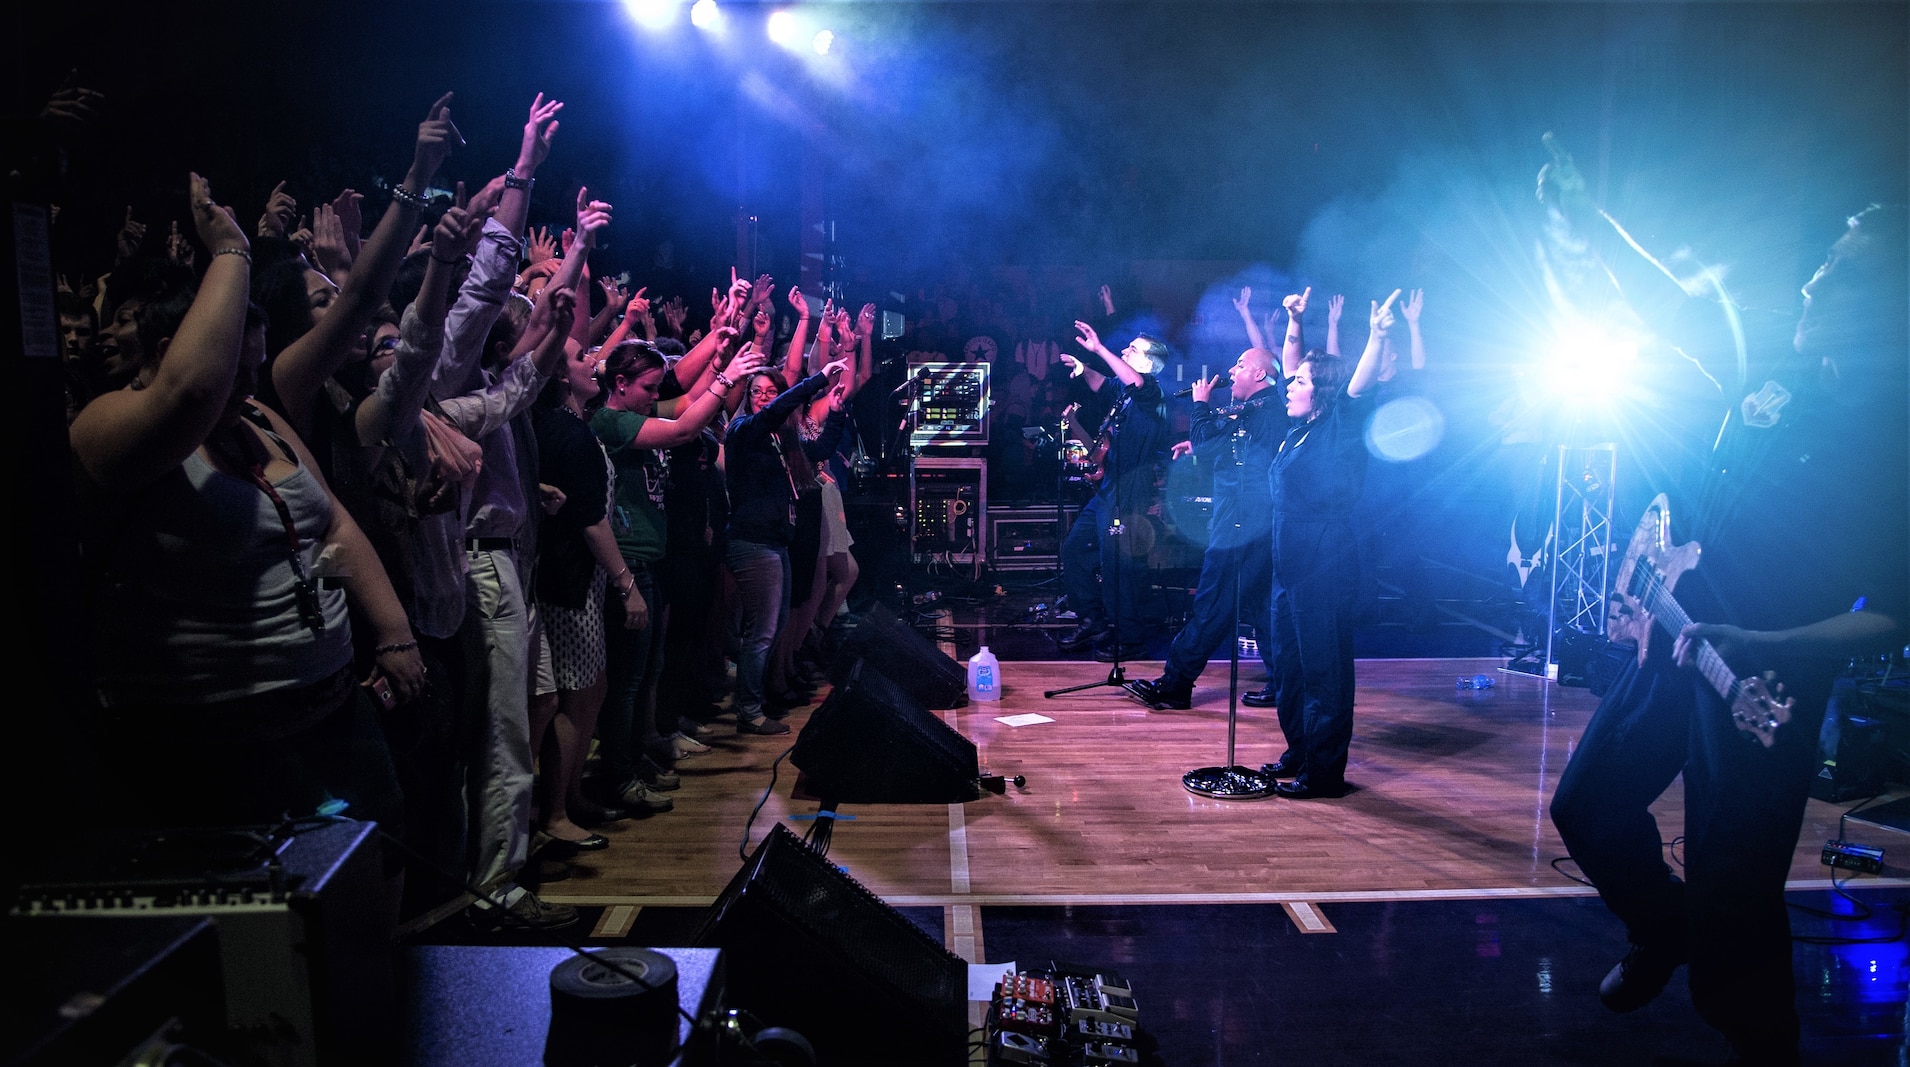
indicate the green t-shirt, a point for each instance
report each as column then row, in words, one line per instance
column 636, row 514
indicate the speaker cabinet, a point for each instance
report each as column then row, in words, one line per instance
column 808, row 948
column 870, row 742
column 932, row 679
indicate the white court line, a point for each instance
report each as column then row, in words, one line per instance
column 1308, row 918
column 616, row 921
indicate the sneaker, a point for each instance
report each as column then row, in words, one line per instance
column 640, row 798
column 764, row 726
column 687, row 746
column 525, row 911
column 1638, row 978
column 656, row 776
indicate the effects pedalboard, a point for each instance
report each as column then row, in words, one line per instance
column 1066, row 1017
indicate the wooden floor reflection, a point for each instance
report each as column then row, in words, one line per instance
column 1452, row 787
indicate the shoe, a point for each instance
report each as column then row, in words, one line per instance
column 656, row 777
column 695, row 730
column 1258, row 698
column 1300, row 789
column 685, row 747
column 1282, row 769
column 594, row 843
column 1090, row 631
column 1638, row 978
column 1162, row 694
column 591, row 817
column 1110, row 651
column 639, row 797
column 764, row 726
column 526, row 912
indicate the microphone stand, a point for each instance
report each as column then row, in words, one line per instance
column 1230, row 781
column 1117, row 674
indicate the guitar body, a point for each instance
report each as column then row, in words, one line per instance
column 1627, row 617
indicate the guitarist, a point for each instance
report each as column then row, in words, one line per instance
column 1801, row 519
column 1136, row 432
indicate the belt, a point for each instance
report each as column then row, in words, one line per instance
column 489, row 544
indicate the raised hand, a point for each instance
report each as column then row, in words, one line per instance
column 1296, row 303
column 797, row 302
column 217, row 228
column 563, row 308
column 1107, row 299
column 71, row 104
column 280, row 212
column 739, row 289
column 614, row 293
column 1075, row 366
column 747, row 362
column 350, row 218
column 675, row 311
column 538, row 131
column 131, row 236
column 540, row 247
column 764, row 287
column 1241, row 301
column 1335, row 305
column 328, row 242
column 484, row 203
column 178, row 249
column 1415, row 302
column 865, row 321
column 457, row 232
column 1204, row 390
column 592, row 217
column 638, row 304
column 1382, row 317
column 1087, row 338
column 438, row 137
column 834, row 368
column 302, row 237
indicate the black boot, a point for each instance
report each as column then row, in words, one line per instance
column 1161, row 694
column 1084, row 635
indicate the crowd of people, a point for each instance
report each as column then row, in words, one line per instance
column 379, row 519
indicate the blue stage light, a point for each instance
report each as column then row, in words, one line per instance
column 822, row 42
column 653, row 14
column 705, row 15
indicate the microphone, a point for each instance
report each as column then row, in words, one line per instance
column 919, row 376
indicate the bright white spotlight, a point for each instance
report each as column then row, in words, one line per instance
column 782, row 28
column 654, row 14
column 1591, row 367
column 705, row 15
column 824, row 39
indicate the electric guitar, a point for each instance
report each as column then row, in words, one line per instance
column 1652, row 566
column 1085, row 462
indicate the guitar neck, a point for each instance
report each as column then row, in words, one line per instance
column 1671, row 615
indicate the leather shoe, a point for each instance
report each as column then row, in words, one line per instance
column 1282, row 769
column 1110, row 650
column 1299, row 789
column 765, row 727
column 1090, row 631
column 1258, row 698
column 1160, row 694
column 593, row 843
column 1638, row 978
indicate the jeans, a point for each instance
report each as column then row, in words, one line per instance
column 762, row 590
column 498, row 786
column 634, row 659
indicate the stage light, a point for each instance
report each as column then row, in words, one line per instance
column 824, row 38
column 653, row 14
column 1590, row 366
column 782, row 28
column 705, row 15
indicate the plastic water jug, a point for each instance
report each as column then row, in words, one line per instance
column 984, row 676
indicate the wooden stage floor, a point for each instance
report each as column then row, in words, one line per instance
column 1451, row 802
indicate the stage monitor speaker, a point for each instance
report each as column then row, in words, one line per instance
column 872, row 743
column 1852, row 752
column 808, row 948
column 931, row 678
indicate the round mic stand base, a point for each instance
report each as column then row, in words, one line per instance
column 1228, row 783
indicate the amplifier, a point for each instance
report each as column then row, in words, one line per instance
column 947, row 498
column 949, row 404
column 1028, row 539
column 302, row 924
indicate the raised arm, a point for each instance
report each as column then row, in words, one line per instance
column 1366, row 372
column 1335, row 307
column 1293, row 348
column 129, row 437
column 1416, row 345
column 1091, row 341
column 633, row 306
column 301, row 369
column 660, row 432
column 1255, row 339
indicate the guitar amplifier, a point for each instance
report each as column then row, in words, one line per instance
column 1028, row 539
column 303, row 932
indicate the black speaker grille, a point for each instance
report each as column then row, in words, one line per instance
column 808, row 947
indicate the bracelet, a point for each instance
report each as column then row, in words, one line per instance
column 246, row 252
column 512, row 181
column 446, row 262
column 405, row 196
column 726, row 382
column 403, row 646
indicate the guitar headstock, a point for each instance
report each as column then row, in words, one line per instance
column 1761, row 707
